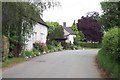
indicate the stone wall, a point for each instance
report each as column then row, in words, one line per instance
column 5, row 46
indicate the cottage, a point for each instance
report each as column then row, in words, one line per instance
column 40, row 31
column 69, row 34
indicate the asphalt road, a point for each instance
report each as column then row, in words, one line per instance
column 64, row 64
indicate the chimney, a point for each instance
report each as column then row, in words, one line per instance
column 64, row 24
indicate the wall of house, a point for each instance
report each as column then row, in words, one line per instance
column 71, row 38
column 66, row 32
column 39, row 35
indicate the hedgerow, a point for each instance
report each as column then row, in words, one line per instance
column 109, row 55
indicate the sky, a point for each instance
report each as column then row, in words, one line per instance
column 71, row 10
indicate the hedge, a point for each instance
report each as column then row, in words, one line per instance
column 109, row 55
column 110, row 44
column 90, row 45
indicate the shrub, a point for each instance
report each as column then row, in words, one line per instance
column 109, row 65
column 50, row 48
column 38, row 47
column 67, row 46
column 59, row 46
column 35, row 52
column 28, row 54
column 90, row 45
column 109, row 55
column 110, row 44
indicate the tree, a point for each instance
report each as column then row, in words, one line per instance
column 110, row 17
column 52, row 26
column 91, row 28
column 18, row 20
column 54, row 30
column 45, row 4
column 57, row 33
column 79, row 35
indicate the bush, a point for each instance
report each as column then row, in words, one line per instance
column 110, row 44
column 35, row 52
column 50, row 48
column 28, row 54
column 90, row 45
column 38, row 47
column 109, row 55
column 111, row 66
column 67, row 46
column 59, row 46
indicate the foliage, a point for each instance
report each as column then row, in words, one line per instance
column 50, row 48
column 79, row 35
column 67, row 46
column 110, row 17
column 52, row 26
column 108, row 64
column 19, row 19
column 89, row 45
column 109, row 55
column 38, row 47
column 16, row 20
column 59, row 46
column 36, row 52
column 91, row 28
column 56, row 33
column 42, row 5
column 110, row 44
column 28, row 54
column 52, row 33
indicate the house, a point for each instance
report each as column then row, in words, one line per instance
column 68, row 33
column 40, row 31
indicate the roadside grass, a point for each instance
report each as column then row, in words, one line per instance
column 111, row 67
column 12, row 61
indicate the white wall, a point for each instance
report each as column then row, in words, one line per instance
column 39, row 35
column 42, row 32
column 71, row 38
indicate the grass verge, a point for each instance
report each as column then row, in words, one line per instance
column 111, row 67
column 12, row 61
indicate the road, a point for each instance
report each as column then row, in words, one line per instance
column 63, row 64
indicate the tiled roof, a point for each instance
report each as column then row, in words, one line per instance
column 68, row 29
column 42, row 22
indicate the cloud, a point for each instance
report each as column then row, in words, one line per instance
column 71, row 10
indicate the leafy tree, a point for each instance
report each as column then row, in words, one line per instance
column 110, row 17
column 79, row 35
column 57, row 33
column 91, row 28
column 18, row 20
column 52, row 26
column 54, row 32
column 46, row 4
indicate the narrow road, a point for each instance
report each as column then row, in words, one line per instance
column 64, row 64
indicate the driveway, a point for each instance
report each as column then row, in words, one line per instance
column 63, row 64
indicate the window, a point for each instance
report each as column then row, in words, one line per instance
column 34, row 36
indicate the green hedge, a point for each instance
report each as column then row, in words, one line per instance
column 89, row 45
column 110, row 44
column 109, row 55
column 111, row 66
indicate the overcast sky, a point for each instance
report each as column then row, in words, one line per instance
column 71, row 10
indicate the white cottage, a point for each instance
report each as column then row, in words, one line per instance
column 39, row 35
column 69, row 34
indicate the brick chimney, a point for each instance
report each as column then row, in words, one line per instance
column 64, row 24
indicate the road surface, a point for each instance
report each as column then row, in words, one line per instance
column 63, row 64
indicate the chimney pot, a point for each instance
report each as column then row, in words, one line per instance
column 64, row 24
